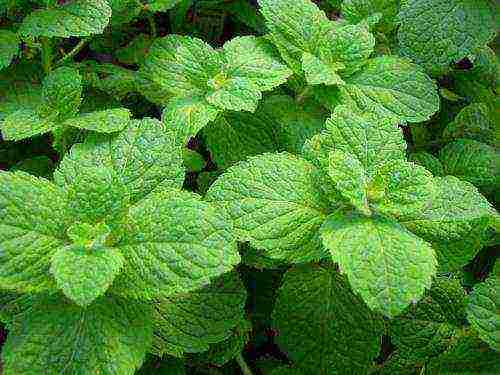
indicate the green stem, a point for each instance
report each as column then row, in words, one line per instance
column 243, row 365
column 74, row 51
column 46, row 54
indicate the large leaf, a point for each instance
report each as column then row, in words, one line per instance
column 58, row 337
column 387, row 265
column 436, row 33
column 395, row 87
column 25, row 123
column 322, row 325
column 145, row 156
column 276, row 204
column 32, row 225
column 76, row 18
column 174, row 243
column 190, row 322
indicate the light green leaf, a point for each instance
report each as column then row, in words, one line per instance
column 255, row 59
column 174, row 244
column 483, row 310
column 392, row 86
column 356, row 11
column 25, row 123
column 190, row 322
column 112, row 79
column 427, row 329
column 454, row 219
column 276, row 204
column 428, row 161
column 105, row 121
column 436, row 33
column 400, row 189
column 9, row 47
column 373, row 140
column 187, row 116
column 111, row 336
column 317, row 72
column 62, row 92
column 350, row 179
column 322, row 325
column 161, row 5
column 386, row 265
column 32, row 226
column 235, row 94
column 182, row 65
column 145, row 157
column 472, row 161
column 472, row 122
column 85, row 274
column 75, row 18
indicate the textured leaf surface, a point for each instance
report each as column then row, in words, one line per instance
column 426, row 329
column 106, row 121
column 371, row 139
column 76, row 18
column 428, row 161
column 9, row 47
column 32, row 226
column 145, row 157
column 350, row 179
column 472, row 122
column 391, row 86
column 483, row 310
column 62, row 92
column 187, row 116
column 472, row 161
column 235, row 94
column 190, row 322
column 456, row 213
column 110, row 336
column 25, row 123
column 85, row 274
column 276, row 204
column 387, row 265
column 435, row 33
column 174, row 243
column 322, row 325
column 356, row 11
column 255, row 59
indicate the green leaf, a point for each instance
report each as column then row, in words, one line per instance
column 190, row 322
column 400, row 188
column 436, row 33
column 255, row 59
column 276, row 204
column 350, row 179
column 355, row 11
column 40, row 166
column 144, row 156
column 161, row 5
column 187, row 116
column 373, row 140
column 105, row 121
column 322, row 325
column 472, row 122
column 57, row 337
column 427, row 329
column 453, row 221
column 62, row 92
column 32, row 226
column 136, row 51
column 317, row 72
column 472, row 161
column 85, row 274
column 387, row 265
column 428, row 161
column 174, row 243
column 182, row 65
column 235, row 94
column 25, row 123
column 483, row 311
column 393, row 87
column 75, row 18
column 9, row 47
column 193, row 161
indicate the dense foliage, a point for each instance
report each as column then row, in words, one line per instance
column 229, row 186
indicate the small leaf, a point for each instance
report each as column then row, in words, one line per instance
column 318, row 72
column 105, row 121
column 9, row 47
column 62, row 92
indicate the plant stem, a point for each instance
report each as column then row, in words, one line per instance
column 74, row 51
column 243, row 365
column 46, row 54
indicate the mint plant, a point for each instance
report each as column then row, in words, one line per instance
column 255, row 187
